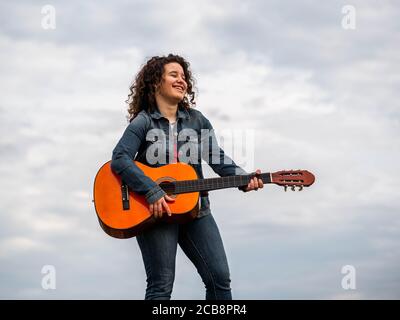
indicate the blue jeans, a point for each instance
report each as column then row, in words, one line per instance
column 200, row 241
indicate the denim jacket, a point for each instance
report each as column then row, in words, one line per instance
column 149, row 140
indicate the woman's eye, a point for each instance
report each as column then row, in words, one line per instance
column 175, row 76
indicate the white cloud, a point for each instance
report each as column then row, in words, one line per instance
column 15, row 246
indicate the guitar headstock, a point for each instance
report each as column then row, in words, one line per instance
column 293, row 178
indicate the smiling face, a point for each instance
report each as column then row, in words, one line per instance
column 173, row 85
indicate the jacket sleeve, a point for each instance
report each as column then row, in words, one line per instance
column 215, row 156
column 122, row 161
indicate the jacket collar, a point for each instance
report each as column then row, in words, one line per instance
column 182, row 113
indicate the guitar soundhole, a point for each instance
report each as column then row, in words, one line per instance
column 168, row 185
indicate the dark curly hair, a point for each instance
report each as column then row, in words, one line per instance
column 142, row 90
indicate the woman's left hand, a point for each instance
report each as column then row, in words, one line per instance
column 254, row 183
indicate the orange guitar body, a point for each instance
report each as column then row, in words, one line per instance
column 120, row 222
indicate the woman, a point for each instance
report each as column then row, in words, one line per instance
column 160, row 110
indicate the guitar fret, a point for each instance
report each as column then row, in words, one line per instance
column 187, row 186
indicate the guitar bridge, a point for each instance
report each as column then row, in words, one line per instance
column 125, row 196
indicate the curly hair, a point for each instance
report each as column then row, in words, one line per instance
column 142, row 90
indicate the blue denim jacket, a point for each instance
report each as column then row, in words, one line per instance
column 148, row 139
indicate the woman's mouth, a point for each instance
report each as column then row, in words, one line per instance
column 181, row 89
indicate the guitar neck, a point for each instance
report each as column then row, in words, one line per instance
column 187, row 186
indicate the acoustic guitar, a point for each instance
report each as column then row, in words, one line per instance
column 123, row 213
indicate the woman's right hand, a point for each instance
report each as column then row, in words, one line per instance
column 158, row 207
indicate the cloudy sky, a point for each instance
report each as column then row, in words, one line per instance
column 319, row 89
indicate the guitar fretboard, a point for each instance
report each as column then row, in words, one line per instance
column 187, row 186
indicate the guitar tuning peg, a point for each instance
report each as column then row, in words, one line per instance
column 300, row 187
column 285, row 188
column 293, row 188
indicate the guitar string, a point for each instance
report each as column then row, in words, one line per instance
column 214, row 183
